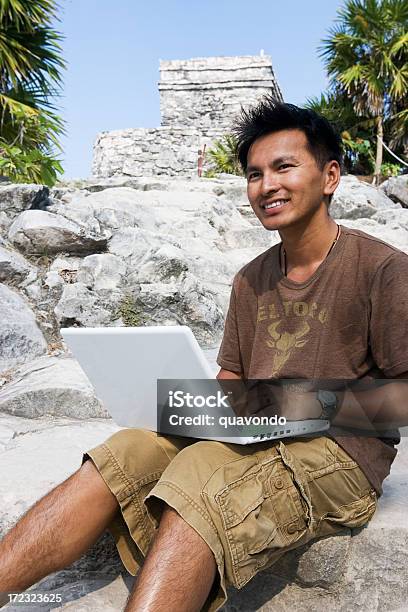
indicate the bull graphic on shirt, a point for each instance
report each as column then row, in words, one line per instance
column 284, row 343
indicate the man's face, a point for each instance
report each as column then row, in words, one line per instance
column 285, row 185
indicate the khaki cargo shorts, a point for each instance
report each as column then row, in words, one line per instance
column 249, row 503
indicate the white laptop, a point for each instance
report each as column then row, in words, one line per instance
column 124, row 364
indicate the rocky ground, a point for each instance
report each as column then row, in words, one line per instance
column 143, row 251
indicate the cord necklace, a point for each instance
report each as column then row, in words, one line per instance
column 283, row 252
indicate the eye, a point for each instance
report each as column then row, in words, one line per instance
column 253, row 175
column 284, row 166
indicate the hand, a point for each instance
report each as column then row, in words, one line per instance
column 266, row 399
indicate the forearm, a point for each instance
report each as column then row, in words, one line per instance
column 384, row 407
column 380, row 408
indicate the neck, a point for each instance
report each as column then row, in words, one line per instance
column 308, row 246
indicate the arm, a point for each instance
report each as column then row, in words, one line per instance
column 376, row 409
column 227, row 375
column 384, row 407
column 381, row 408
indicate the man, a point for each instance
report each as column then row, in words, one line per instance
column 328, row 302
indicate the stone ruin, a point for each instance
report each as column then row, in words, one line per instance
column 198, row 101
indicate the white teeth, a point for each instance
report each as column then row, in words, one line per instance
column 275, row 204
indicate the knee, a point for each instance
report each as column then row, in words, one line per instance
column 201, row 459
column 136, row 449
column 127, row 438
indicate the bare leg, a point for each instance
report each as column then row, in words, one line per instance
column 57, row 530
column 178, row 572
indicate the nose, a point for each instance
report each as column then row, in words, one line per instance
column 270, row 183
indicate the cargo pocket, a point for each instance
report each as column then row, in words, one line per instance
column 263, row 514
column 356, row 514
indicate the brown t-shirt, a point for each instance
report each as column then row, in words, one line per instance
column 347, row 321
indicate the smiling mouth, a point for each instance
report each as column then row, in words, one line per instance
column 277, row 204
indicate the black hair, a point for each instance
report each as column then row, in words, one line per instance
column 270, row 115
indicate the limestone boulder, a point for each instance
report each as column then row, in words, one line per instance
column 103, row 271
column 79, row 305
column 20, row 337
column 188, row 302
column 133, row 243
column 354, row 199
column 53, row 386
column 16, row 198
column 396, row 188
column 233, row 189
column 36, row 231
column 185, row 214
column 388, row 225
column 63, row 270
column 120, row 207
column 167, row 263
column 256, row 236
column 75, row 207
column 14, row 268
column 42, row 453
column 164, row 264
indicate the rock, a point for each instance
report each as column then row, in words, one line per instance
column 250, row 237
column 388, row 225
column 354, row 199
column 319, row 563
column 20, row 337
column 233, row 189
column 63, row 270
column 103, row 595
column 120, row 207
column 165, row 264
column 76, row 207
column 55, row 386
column 396, row 188
column 103, row 271
column 45, row 232
column 81, row 306
column 15, row 198
column 4, row 223
column 14, row 268
column 134, row 242
column 6, row 435
column 100, row 591
column 183, row 214
column 42, row 453
column 188, row 302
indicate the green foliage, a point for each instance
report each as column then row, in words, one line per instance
column 30, row 75
column 366, row 57
column 223, row 157
column 28, row 165
column 388, row 169
column 356, row 131
column 359, row 152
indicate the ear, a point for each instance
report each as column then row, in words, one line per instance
column 331, row 177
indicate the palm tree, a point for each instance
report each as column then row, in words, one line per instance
column 30, row 76
column 366, row 57
column 223, row 156
column 355, row 130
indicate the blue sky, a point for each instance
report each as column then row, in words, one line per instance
column 113, row 51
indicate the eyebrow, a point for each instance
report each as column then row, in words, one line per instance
column 275, row 162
